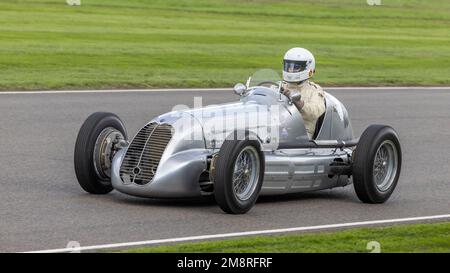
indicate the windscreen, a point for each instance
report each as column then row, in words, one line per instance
column 264, row 76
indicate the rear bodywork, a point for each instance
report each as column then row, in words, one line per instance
column 173, row 155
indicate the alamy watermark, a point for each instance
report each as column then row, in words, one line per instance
column 373, row 2
column 374, row 247
column 74, row 246
column 73, row 2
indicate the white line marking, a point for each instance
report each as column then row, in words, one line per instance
column 240, row 234
column 209, row 90
column 389, row 87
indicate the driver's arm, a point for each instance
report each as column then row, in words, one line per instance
column 312, row 105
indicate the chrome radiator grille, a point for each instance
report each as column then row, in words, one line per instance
column 144, row 153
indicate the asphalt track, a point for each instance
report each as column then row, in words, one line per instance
column 42, row 206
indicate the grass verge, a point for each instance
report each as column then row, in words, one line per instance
column 431, row 237
column 46, row 44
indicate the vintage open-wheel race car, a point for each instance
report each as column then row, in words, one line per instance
column 237, row 152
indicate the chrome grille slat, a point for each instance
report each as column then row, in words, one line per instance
column 145, row 152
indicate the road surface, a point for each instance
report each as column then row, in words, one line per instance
column 43, row 207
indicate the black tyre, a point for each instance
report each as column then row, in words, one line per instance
column 94, row 148
column 377, row 163
column 239, row 175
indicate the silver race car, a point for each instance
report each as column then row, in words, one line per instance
column 237, row 152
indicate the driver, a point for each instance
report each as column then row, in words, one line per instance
column 298, row 67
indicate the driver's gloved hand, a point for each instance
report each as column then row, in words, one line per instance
column 281, row 86
column 286, row 92
column 299, row 104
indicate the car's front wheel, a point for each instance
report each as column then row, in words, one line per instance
column 98, row 140
column 377, row 163
column 239, row 174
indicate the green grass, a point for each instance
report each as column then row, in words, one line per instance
column 46, row 44
column 403, row 238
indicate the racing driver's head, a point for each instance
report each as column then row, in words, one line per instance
column 298, row 65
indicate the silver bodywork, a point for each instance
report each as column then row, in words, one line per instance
column 197, row 135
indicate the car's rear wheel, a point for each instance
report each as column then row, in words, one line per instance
column 239, row 174
column 97, row 142
column 377, row 163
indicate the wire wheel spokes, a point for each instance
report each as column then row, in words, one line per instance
column 246, row 173
column 385, row 165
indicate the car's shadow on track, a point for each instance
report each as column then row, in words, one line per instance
column 209, row 201
column 204, row 201
column 328, row 195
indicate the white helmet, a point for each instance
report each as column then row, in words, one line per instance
column 298, row 65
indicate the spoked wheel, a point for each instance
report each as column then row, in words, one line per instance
column 239, row 175
column 377, row 164
column 98, row 141
column 385, row 165
column 246, row 173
